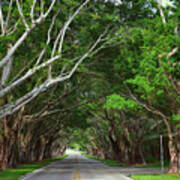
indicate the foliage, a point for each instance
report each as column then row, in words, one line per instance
column 117, row 101
column 156, row 177
column 107, row 100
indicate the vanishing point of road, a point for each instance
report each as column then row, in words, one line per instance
column 76, row 167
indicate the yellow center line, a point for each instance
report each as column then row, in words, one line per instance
column 79, row 175
column 74, row 175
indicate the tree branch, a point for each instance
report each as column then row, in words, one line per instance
column 6, row 70
column 32, row 10
column 11, row 108
column 67, row 25
column 27, row 75
column 8, row 14
column 170, row 54
column 161, row 13
column 21, row 14
column 2, row 20
column 48, row 38
column 25, row 35
column 150, row 109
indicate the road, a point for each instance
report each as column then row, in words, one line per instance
column 76, row 167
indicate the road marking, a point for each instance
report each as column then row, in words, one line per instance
column 74, row 175
column 79, row 175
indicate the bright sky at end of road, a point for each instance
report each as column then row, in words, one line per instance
column 70, row 151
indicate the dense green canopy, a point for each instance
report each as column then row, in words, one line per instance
column 102, row 76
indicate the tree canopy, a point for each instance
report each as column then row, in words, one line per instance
column 103, row 76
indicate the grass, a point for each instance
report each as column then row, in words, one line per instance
column 157, row 177
column 107, row 162
column 15, row 174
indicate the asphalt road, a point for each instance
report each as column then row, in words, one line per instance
column 76, row 167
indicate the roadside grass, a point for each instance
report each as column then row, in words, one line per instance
column 156, row 177
column 107, row 162
column 15, row 174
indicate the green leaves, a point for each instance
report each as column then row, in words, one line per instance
column 176, row 117
column 116, row 101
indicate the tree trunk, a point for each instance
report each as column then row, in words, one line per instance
column 173, row 151
column 116, row 150
column 141, row 154
column 173, row 168
column 9, row 153
column 9, row 147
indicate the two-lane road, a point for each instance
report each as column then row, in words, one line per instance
column 76, row 167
